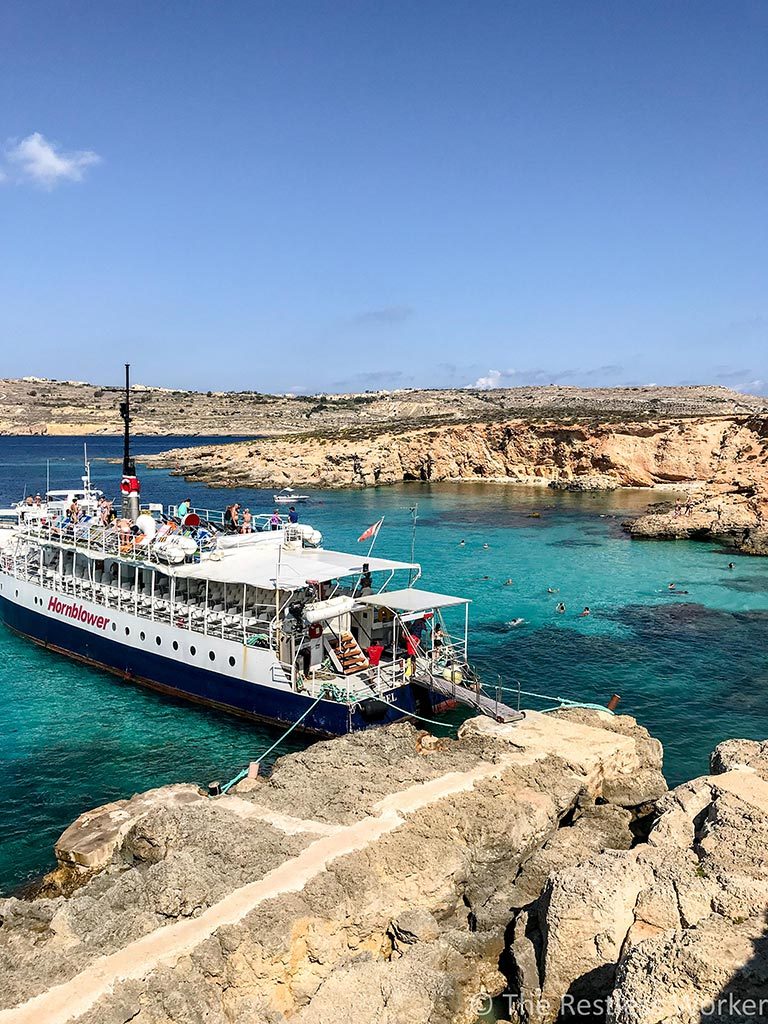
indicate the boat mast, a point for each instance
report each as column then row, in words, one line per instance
column 86, row 478
column 129, row 485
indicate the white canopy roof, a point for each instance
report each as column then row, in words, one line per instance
column 412, row 600
column 267, row 567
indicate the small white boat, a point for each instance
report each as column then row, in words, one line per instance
column 287, row 496
column 53, row 504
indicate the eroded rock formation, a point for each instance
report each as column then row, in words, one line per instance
column 722, row 462
column 389, row 877
column 629, row 454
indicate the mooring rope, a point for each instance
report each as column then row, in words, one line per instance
column 412, row 714
column 563, row 701
column 241, row 775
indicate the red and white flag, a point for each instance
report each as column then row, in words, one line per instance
column 371, row 531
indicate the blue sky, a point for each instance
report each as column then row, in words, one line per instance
column 352, row 195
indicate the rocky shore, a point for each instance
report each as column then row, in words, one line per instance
column 393, row 877
column 603, row 455
column 731, row 505
column 722, row 462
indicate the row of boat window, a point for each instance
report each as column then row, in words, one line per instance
column 175, row 644
column 158, row 639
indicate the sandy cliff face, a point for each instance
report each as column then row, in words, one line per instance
column 731, row 507
column 610, row 454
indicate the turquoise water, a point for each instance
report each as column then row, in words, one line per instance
column 691, row 667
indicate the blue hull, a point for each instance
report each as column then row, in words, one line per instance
column 200, row 685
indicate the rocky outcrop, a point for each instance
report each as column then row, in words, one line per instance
column 589, row 454
column 388, row 877
column 740, row 754
column 667, row 929
column 360, row 882
column 731, row 507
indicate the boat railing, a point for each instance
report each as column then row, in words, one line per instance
column 98, row 540
column 210, row 515
column 260, row 522
column 250, row 626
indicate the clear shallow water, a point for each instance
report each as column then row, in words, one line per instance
column 691, row 668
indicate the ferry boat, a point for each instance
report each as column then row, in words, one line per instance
column 266, row 625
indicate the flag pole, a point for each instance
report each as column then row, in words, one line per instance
column 373, row 539
column 414, row 510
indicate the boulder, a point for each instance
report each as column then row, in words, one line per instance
column 716, row 973
column 740, row 754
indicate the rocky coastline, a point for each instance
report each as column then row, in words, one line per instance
column 722, row 462
column 709, row 439
column 735, row 518
column 393, row 876
column 595, row 454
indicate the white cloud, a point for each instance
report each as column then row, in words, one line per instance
column 492, row 380
column 37, row 160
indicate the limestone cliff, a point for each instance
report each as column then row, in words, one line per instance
column 616, row 453
column 731, row 507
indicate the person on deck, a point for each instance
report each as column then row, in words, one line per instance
column 275, row 521
column 417, row 628
column 293, row 515
column 247, row 526
column 74, row 511
column 232, row 518
column 412, row 649
column 184, row 507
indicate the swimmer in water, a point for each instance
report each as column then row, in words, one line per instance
column 731, row 565
column 508, row 583
column 486, row 546
column 670, row 586
column 584, row 613
column 461, row 543
column 552, row 590
column 560, row 607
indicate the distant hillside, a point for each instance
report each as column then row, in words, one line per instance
column 35, row 406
